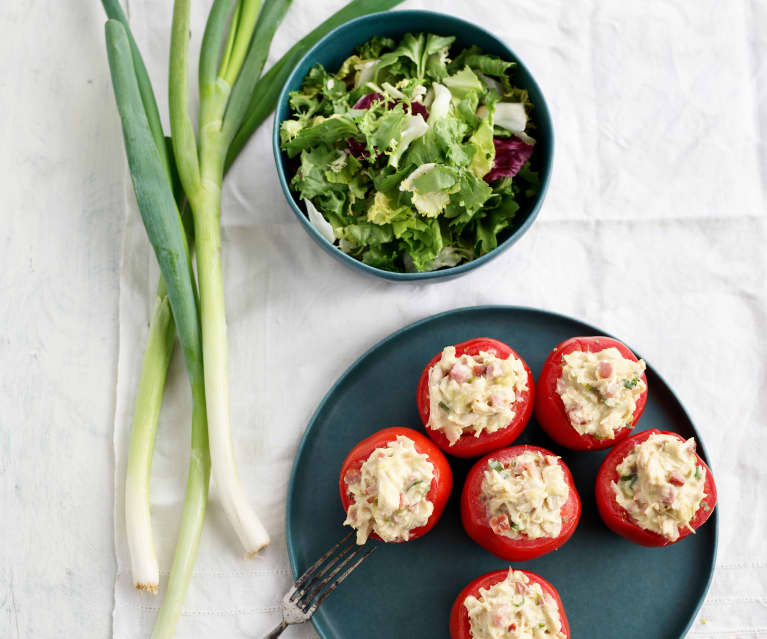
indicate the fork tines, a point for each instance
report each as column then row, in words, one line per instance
column 312, row 587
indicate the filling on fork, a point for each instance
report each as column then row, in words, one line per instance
column 389, row 492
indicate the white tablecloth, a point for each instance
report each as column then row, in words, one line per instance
column 654, row 228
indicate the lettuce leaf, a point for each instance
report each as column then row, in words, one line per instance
column 463, row 82
column 489, row 65
column 375, row 47
column 326, row 131
column 411, row 48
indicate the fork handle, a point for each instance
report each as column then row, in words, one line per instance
column 277, row 631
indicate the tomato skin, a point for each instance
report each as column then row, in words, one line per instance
column 441, row 484
column 549, row 409
column 617, row 519
column 469, row 445
column 475, row 519
column 460, row 627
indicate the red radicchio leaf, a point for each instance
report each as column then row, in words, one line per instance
column 416, row 108
column 510, row 156
column 366, row 101
column 357, row 149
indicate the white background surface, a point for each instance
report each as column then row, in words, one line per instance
column 654, row 228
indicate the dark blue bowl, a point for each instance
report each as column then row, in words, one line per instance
column 337, row 45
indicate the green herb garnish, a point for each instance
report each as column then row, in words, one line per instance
column 629, row 481
column 698, row 473
column 496, row 465
column 444, row 407
column 630, row 383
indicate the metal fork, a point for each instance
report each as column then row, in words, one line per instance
column 311, row 588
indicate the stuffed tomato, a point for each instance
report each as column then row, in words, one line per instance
column 591, row 393
column 475, row 396
column 394, row 485
column 509, row 603
column 654, row 489
column 520, row 503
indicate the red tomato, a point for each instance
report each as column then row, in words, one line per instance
column 615, row 516
column 469, row 445
column 459, row 618
column 475, row 517
column 441, row 484
column 549, row 409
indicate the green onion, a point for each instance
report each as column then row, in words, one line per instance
column 444, row 407
column 146, row 414
column 630, row 383
column 160, row 343
column 705, row 505
column 226, row 88
column 698, row 472
column 165, row 230
column 496, row 465
column 154, row 369
column 630, row 480
column 223, row 94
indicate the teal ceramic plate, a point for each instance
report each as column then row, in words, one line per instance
column 610, row 587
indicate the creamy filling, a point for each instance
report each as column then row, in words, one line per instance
column 515, row 608
column 472, row 394
column 600, row 391
column 661, row 484
column 524, row 496
column 389, row 492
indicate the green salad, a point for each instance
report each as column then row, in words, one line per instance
column 412, row 156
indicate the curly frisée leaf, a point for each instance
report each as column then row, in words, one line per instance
column 463, row 82
column 327, row 131
column 430, row 186
column 482, row 139
column 488, row 65
column 435, row 55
